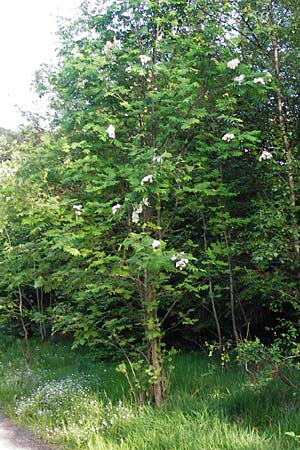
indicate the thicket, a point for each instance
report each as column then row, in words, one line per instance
column 161, row 208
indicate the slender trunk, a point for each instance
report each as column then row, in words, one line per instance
column 27, row 351
column 231, row 290
column 27, row 348
column 211, row 289
column 153, row 334
column 286, row 142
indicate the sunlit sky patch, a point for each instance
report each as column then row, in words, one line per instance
column 27, row 37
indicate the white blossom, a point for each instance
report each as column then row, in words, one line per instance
column 111, row 131
column 259, row 80
column 181, row 263
column 115, row 208
column 144, row 59
column 265, row 155
column 135, row 217
column 233, row 63
column 128, row 69
column 77, row 209
column 147, row 179
column 239, row 80
column 155, row 243
column 228, row 137
column 157, row 159
column 145, row 201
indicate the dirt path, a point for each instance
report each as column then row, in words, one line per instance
column 13, row 437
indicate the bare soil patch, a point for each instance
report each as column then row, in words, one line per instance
column 14, row 437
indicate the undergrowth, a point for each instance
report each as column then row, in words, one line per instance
column 71, row 398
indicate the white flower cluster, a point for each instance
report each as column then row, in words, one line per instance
column 115, row 208
column 239, row 80
column 228, row 137
column 259, row 80
column 157, row 159
column 233, row 63
column 155, row 243
column 265, row 155
column 73, row 410
column 135, row 217
column 77, row 209
column 180, row 261
column 147, row 179
column 111, row 131
column 144, row 59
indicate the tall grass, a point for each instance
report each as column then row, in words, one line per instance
column 80, row 403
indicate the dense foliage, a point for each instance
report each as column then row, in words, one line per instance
column 161, row 209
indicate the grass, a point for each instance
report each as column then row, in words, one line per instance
column 69, row 398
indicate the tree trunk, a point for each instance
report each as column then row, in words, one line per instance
column 231, row 289
column 211, row 289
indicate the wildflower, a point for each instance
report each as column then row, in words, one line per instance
column 155, row 243
column 115, row 208
column 239, row 80
column 259, row 80
column 144, row 59
column 181, row 263
column 77, row 209
column 233, row 63
column 147, row 179
column 157, row 159
column 128, row 69
column 145, row 201
column 135, row 217
column 111, row 131
column 265, row 155
column 174, row 258
column 228, row 137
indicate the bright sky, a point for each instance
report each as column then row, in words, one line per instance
column 27, row 40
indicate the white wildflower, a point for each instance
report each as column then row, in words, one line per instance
column 145, row 201
column 115, row 208
column 259, row 80
column 135, row 217
column 128, row 69
column 157, row 159
column 155, row 243
column 239, row 80
column 111, row 131
column 77, row 209
column 147, row 179
column 174, row 258
column 265, row 155
column 233, row 63
column 228, row 137
column 181, row 263
column 144, row 59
